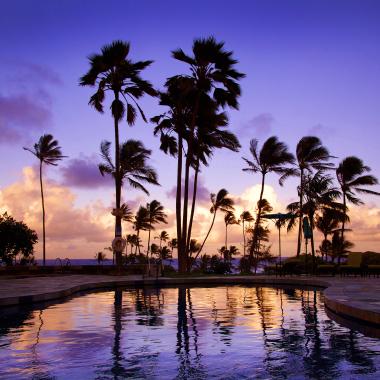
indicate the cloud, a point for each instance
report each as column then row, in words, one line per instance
column 83, row 172
column 203, row 193
column 260, row 125
column 20, row 115
column 25, row 101
column 86, row 228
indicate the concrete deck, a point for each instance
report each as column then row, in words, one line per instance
column 352, row 297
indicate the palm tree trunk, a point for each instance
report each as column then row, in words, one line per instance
column 311, row 217
column 243, row 239
column 186, row 204
column 343, row 222
column 195, row 186
column 258, row 217
column 118, row 230
column 299, row 239
column 147, row 251
column 225, row 243
column 137, row 241
column 43, row 218
column 181, row 262
column 204, row 241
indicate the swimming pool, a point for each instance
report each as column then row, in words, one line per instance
column 224, row 332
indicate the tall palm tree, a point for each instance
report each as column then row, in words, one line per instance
column 245, row 217
column 310, row 154
column 222, row 202
column 214, row 78
column 141, row 223
column 156, row 214
column 272, row 157
column 132, row 168
column 175, row 122
column 229, row 219
column 114, row 72
column 48, row 152
column 353, row 180
column 210, row 136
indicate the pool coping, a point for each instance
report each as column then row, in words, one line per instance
column 335, row 291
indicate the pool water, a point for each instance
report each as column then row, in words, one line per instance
column 233, row 332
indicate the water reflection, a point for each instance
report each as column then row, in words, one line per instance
column 185, row 333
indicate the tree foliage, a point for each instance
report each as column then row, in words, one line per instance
column 17, row 241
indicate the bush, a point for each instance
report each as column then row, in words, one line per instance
column 214, row 265
column 16, row 240
column 371, row 258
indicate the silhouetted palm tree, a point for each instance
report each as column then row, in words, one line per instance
column 273, row 157
column 214, row 80
column 210, row 136
column 48, row 152
column 222, row 202
column 173, row 244
column 229, row 219
column 319, row 194
column 353, row 180
column 310, row 154
column 328, row 222
column 163, row 237
column 245, row 217
column 141, row 223
column 133, row 168
column 112, row 71
column 156, row 215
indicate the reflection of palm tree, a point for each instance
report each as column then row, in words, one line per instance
column 353, row 180
column 112, row 71
column 273, row 157
column 48, row 152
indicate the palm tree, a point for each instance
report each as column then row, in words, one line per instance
column 222, row 202
column 339, row 247
column 112, row 71
column 245, row 217
column 310, row 154
column 173, row 244
column 141, row 223
column 214, row 78
column 319, row 194
column 273, row 157
column 353, row 180
column 194, row 247
column 156, row 215
column 133, row 169
column 328, row 222
column 229, row 219
column 163, row 237
column 48, row 152
column 210, row 136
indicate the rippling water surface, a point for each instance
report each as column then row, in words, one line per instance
column 185, row 333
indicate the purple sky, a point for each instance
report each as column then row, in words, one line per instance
column 313, row 67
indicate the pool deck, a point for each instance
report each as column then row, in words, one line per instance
column 351, row 297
